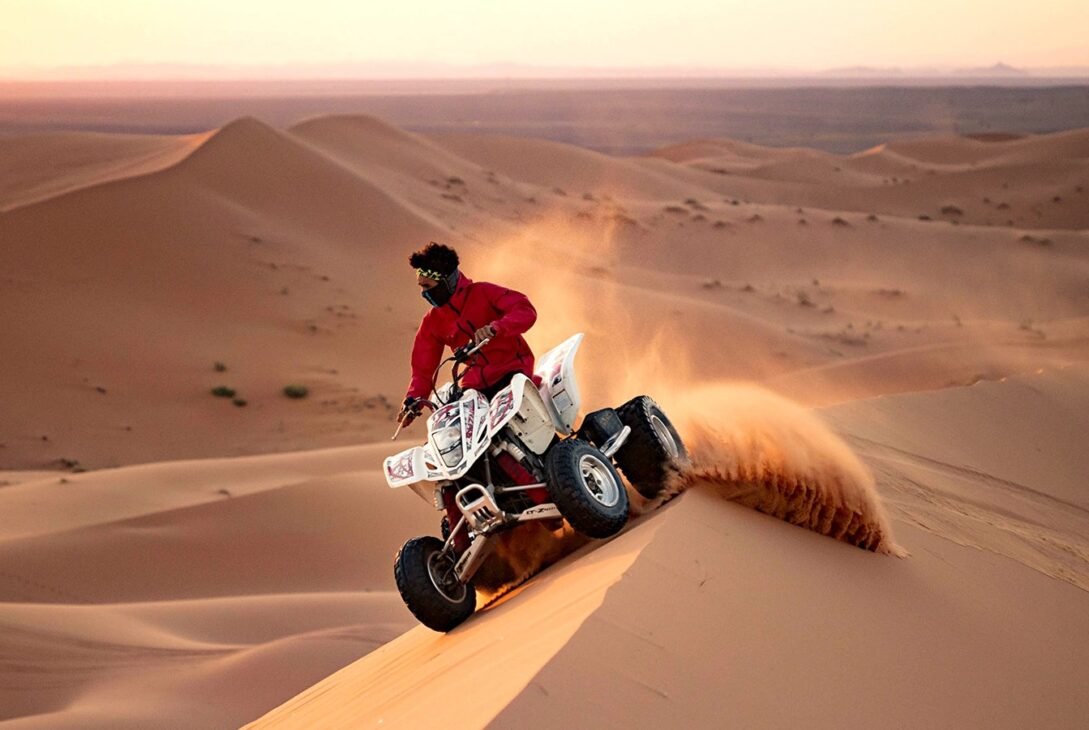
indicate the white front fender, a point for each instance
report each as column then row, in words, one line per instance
column 416, row 464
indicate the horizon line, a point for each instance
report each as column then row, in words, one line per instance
column 496, row 71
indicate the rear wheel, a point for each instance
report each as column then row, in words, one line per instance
column 586, row 488
column 427, row 583
column 653, row 450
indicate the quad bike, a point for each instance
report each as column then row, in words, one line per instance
column 491, row 466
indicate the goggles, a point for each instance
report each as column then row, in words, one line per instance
column 429, row 274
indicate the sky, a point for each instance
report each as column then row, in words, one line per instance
column 406, row 37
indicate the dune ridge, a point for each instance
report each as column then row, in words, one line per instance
column 49, row 165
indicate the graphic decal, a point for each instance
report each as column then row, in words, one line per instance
column 402, row 468
column 504, row 402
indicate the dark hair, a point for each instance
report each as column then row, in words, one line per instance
column 436, row 257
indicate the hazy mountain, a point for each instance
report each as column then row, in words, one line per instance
column 999, row 69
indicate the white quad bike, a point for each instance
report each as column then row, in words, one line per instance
column 493, row 466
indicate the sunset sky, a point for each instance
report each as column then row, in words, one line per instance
column 726, row 34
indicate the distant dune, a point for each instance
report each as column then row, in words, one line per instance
column 888, row 347
column 616, row 116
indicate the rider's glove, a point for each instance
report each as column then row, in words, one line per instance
column 409, row 410
column 486, row 332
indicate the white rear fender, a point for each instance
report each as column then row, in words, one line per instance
column 521, row 406
column 559, row 388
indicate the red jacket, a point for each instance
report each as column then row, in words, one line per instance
column 473, row 305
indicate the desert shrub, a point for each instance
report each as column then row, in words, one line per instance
column 296, row 391
column 222, row 391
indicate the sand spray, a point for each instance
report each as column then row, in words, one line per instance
column 746, row 443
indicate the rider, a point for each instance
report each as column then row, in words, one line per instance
column 465, row 311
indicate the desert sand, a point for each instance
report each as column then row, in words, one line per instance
column 889, row 347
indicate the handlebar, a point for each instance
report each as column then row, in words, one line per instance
column 461, row 355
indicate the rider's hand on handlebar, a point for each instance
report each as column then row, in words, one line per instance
column 409, row 411
column 486, row 332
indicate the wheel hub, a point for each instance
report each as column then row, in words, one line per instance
column 665, row 437
column 440, row 569
column 598, row 481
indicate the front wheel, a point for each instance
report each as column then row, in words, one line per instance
column 654, row 449
column 586, row 488
column 425, row 577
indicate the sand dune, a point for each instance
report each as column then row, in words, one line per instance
column 565, row 170
column 1003, row 473
column 149, row 281
column 41, row 167
column 952, row 179
column 172, row 559
column 149, row 583
column 795, row 628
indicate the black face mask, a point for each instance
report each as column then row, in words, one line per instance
column 440, row 294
